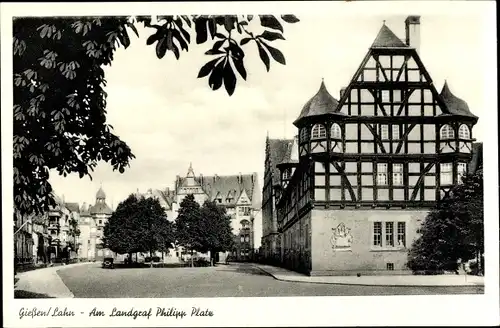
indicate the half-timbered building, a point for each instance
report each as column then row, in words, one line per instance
column 371, row 164
column 277, row 151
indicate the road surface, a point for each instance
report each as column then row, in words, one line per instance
column 235, row 280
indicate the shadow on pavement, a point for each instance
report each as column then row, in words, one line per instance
column 244, row 269
column 26, row 294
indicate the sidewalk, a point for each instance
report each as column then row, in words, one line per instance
column 402, row 280
column 44, row 283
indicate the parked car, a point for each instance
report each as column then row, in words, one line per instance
column 108, row 263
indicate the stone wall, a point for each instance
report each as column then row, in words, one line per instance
column 343, row 241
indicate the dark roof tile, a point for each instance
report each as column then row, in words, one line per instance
column 73, row 207
column 454, row 104
column 387, row 39
column 280, row 151
column 321, row 103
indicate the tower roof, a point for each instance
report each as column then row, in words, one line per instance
column 321, row 103
column 100, row 194
column 387, row 39
column 454, row 104
column 190, row 171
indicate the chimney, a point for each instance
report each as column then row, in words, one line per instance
column 412, row 26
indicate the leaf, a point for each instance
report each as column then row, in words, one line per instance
column 290, row 18
column 133, row 28
column 185, row 34
column 186, row 19
column 235, row 50
column 241, row 68
column 125, row 40
column 214, row 52
column 245, row 41
column 271, row 22
column 161, row 48
column 277, row 54
column 215, row 79
column 212, row 27
column 201, row 29
column 229, row 22
column 271, row 36
column 153, row 38
column 218, row 44
column 263, row 56
column 207, row 68
column 229, row 79
column 177, row 35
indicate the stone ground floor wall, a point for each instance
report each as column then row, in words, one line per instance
column 348, row 242
column 296, row 245
column 270, row 250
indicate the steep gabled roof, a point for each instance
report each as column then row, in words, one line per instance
column 454, row 104
column 280, row 151
column 73, row 207
column 229, row 185
column 165, row 196
column 387, row 39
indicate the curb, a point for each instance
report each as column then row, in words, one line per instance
column 52, row 273
column 361, row 284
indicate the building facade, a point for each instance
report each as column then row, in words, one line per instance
column 92, row 219
column 239, row 194
column 23, row 239
column 371, row 164
column 277, row 151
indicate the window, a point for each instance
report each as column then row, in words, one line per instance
column 389, row 234
column 100, row 221
column 397, row 174
column 318, row 131
column 242, row 239
column 446, row 173
column 461, row 171
column 463, row 132
column 335, row 131
column 395, row 132
column 382, row 174
column 303, row 134
column 390, row 266
column 247, row 239
column 401, row 234
column 447, row 132
column 386, row 96
column 377, row 233
column 384, row 131
column 286, row 174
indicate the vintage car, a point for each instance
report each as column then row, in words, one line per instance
column 108, row 263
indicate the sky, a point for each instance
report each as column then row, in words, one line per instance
column 170, row 118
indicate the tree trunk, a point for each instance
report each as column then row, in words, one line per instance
column 192, row 263
column 151, row 258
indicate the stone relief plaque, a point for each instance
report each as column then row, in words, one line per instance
column 341, row 239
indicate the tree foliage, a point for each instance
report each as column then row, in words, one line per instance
column 453, row 230
column 217, row 228
column 189, row 231
column 59, row 98
column 138, row 225
column 205, row 228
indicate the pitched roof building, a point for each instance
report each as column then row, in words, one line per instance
column 369, row 166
